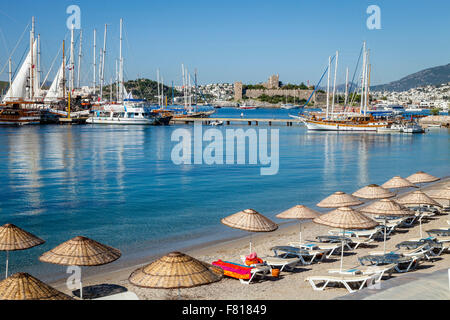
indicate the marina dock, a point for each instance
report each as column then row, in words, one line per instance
column 229, row 121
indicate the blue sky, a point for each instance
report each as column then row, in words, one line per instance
column 233, row 40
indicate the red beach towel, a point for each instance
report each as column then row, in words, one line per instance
column 234, row 270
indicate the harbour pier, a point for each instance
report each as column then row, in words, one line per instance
column 229, row 121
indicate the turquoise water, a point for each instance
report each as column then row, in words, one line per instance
column 118, row 185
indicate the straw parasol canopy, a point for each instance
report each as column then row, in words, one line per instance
column 346, row 218
column 398, row 183
column 22, row 286
column 422, row 177
column 81, row 251
column 443, row 194
column 174, row 271
column 339, row 200
column 13, row 238
column 250, row 220
column 418, row 198
column 373, row 191
column 387, row 207
column 300, row 213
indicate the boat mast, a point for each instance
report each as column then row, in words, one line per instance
column 196, row 94
column 346, row 89
column 367, row 83
column 95, row 60
column 32, row 59
column 103, row 62
column 72, row 60
column 334, row 85
column 116, row 81
column 121, row 97
column 363, row 80
column 162, row 92
column 80, row 53
column 38, row 74
column 10, row 73
column 64, row 68
column 157, row 84
column 184, row 86
column 328, row 87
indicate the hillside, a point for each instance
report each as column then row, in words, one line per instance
column 145, row 89
column 432, row 76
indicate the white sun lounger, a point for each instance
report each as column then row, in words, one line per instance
column 346, row 280
column 371, row 234
column 282, row 263
column 419, row 251
column 307, row 257
column 330, row 248
column 259, row 270
column 378, row 271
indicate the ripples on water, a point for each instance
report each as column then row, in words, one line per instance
column 119, row 186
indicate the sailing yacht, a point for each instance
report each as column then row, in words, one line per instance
column 346, row 121
column 128, row 111
column 20, row 104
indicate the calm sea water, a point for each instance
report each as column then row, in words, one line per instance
column 118, row 185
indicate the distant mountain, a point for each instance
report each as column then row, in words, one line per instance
column 340, row 87
column 431, row 76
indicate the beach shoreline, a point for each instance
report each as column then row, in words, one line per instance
column 285, row 287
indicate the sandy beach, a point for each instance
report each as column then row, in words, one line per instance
column 290, row 285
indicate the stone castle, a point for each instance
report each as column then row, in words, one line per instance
column 272, row 88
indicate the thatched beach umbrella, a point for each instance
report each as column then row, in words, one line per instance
column 386, row 208
column 174, row 271
column 251, row 221
column 418, row 198
column 299, row 213
column 398, row 183
column 81, row 251
column 421, row 178
column 22, row 286
column 340, row 200
column 373, row 192
column 443, row 194
column 13, row 238
column 346, row 219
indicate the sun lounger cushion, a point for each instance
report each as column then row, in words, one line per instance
column 234, row 270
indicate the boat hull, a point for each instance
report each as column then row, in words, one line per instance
column 322, row 126
column 121, row 121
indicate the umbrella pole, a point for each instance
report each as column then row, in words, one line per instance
column 81, row 284
column 385, row 234
column 7, row 260
column 300, row 232
column 342, row 250
column 420, row 221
